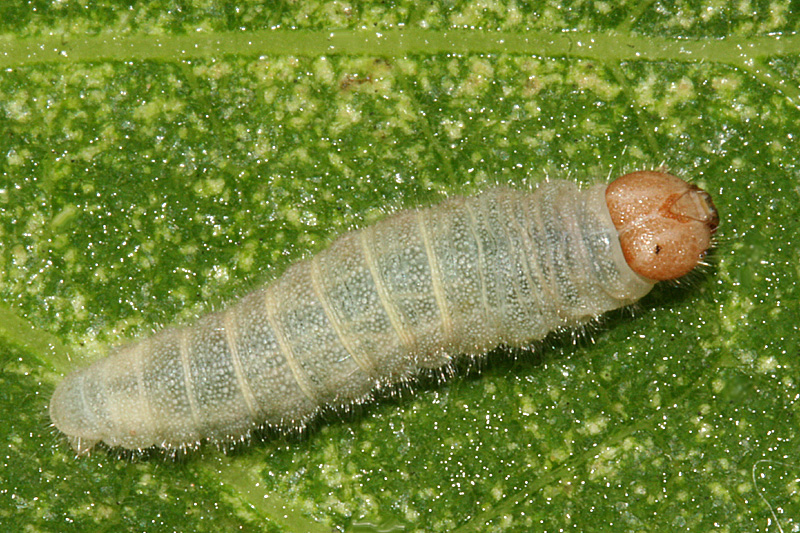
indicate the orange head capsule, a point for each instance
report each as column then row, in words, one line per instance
column 665, row 224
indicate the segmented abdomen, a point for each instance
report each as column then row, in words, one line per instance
column 383, row 302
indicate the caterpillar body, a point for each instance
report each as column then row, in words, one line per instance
column 386, row 301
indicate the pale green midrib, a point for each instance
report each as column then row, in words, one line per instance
column 602, row 46
column 20, row 332
column 243, row 477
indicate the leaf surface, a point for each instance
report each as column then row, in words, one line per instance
column 160, row 159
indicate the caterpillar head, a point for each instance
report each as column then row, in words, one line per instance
column 665, row 225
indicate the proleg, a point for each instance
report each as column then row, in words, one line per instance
column 412, row 292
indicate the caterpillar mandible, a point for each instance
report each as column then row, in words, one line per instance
column 386, row 301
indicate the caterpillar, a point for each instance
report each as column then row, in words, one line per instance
column 385, row 302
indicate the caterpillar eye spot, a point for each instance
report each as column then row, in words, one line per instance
column 384, row 302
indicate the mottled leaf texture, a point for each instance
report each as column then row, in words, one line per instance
column 159, row 159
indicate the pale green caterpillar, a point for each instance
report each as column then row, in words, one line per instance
column 384, row 302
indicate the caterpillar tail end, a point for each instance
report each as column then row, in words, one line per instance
column 665, row 225
column 69, row 419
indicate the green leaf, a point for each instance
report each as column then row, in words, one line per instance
column 160, row 158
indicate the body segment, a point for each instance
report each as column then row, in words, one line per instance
column 379, row 305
